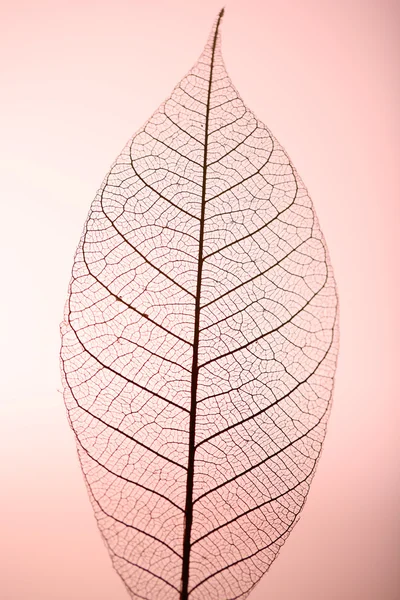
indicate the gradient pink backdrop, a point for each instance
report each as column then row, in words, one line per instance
column 80, row 78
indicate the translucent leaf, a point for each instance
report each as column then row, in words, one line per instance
column 199, row 346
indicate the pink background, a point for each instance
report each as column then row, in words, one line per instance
column 80, row 78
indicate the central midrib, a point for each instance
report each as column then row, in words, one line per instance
column 195, row 368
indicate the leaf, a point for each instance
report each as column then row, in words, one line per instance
column 199, row 346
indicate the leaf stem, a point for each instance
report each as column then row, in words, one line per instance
column 195, row 367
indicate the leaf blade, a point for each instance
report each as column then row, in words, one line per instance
column 200, row 345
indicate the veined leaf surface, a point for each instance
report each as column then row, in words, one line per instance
column 199, row 346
